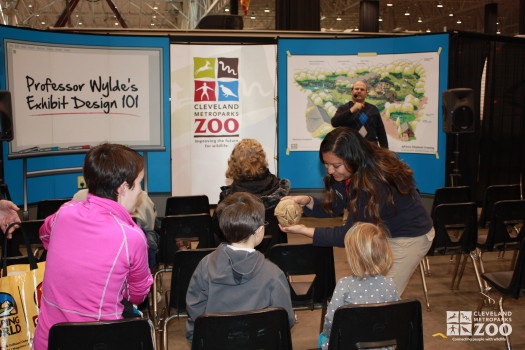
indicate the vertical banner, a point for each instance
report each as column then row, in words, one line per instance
column 219, row 95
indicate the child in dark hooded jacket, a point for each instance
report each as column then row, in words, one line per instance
column 236, row 277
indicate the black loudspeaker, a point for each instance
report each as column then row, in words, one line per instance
column 6, row 116
column 458, row 111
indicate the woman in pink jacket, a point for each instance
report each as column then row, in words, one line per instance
column 96, row 255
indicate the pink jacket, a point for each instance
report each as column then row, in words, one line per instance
column 96, row 257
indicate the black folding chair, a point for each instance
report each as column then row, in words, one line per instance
column 184, row 264
column 311, row 274
column 510, row 283
column 266, row 329
column 47, row 207
column 125, row 334
column 183, row 205
column 493, row 194
column 398, row 324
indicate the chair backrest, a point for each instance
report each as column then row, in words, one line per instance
column 456, row 228
column 14, row 254
column 493, row 194
column 306, row 259
column 446, row 195
column 47, row 207
column 506, row 225
column 184, row 264
column 273, row 234
column 183, row 205
column 177, row 228
column 266, row 329
column 378, row 325
column 125, row 334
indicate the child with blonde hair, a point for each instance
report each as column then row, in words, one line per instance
column 370, row 258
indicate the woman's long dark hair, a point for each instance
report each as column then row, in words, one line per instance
column 370, row 165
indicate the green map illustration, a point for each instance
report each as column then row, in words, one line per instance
column 397, row 89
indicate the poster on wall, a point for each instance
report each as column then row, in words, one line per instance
column 404, row 87
column 219, row 95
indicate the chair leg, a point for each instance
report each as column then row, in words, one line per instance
column 424, row 282
column 323, row 314
column 507, row 336
column 455, row 274
column 479, row 257
column 514, row 259
column 426, row 264
column 462, row 270
column 501, row 254
column 482, row 284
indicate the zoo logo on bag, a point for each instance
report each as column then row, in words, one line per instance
column 478, row 326
column 9, row 319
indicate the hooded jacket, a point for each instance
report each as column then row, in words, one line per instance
column 229, row 280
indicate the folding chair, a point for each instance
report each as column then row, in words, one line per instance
column 493, row 194
column 184, row 264
column 125, row 334
column 183, row 205
column 509, row 283
column 266, row 329
column 398, row 324
column 47, row 207
column 300, row 262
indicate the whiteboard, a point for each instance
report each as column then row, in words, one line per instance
column 69, row 96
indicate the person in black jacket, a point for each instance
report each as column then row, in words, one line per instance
column 361, row 116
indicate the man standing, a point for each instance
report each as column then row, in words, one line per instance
column 361, row 116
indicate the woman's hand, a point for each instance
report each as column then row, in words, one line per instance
column 8, row 215
column 301, row 200
column 301, row 229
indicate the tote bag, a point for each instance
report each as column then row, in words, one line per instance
column 20, row 292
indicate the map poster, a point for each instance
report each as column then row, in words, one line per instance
column 404, row 87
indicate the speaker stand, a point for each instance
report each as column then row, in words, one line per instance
column 455, row 175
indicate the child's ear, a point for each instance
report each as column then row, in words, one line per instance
column 122, row 188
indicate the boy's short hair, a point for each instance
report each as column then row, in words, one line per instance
column 240, row 215
column 368, row 250
column 107, row 166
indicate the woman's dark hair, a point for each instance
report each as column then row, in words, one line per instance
column 107, row 166
column 370, row 165
column 240, row 215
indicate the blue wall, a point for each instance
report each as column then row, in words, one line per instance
column 304, row 169
column 60, row 186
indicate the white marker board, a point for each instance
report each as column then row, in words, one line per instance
column 65, row 96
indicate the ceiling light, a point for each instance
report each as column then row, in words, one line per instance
column 29, row 5
column 451, row 14
column 356, row 29
column 43, row 22
column 498, row 32
column 389, row 4
column 226, row 10
column 459, row 21
column 439, row 4
column 80, row 23
column 155, row 7
column 323, row 17
column 152, row 24
column 252, row 17
column 428, row 30
column 407, row 13
column 116, row 23
column 419, row 20
column 153, row 16
column 380, row 19
column 338, row 19
column 267, row 10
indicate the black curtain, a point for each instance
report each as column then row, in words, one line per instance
column 495, row 152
